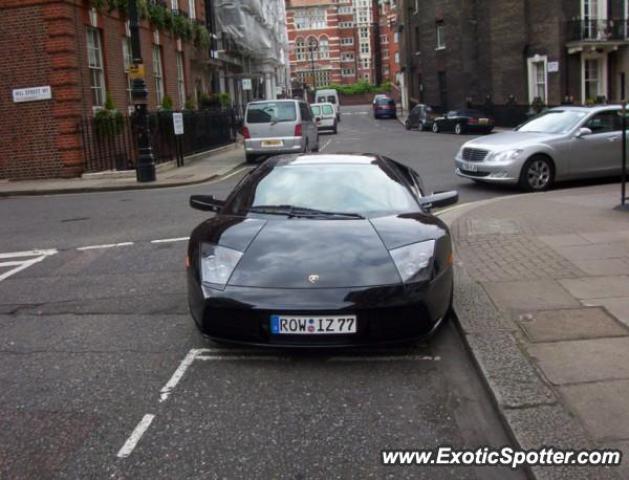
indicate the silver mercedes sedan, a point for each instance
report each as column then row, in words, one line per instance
column 559, row 144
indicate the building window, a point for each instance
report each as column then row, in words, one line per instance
column 364, row 32
column 181, row 82
column 396, row 37
column 397, row 58
column 321, row 77
column 174, row 4
column 347, row 72
column 128, row 61
column 95, row 64
column 324, row 48
column 592, row 80
column 158, row 74
column 310, row 18
column 364, row 63
column 192, row 9
column 346, row 24
column 384, row 39
column 347, row 41
column 300, row 49
column 364, row 47
column 441, row 36
column 347, row 57
column 345, row 10
column 538, row 78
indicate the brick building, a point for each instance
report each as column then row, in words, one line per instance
column 389, row 39
column 346, row 35
column 82, row 53
column 514, row 51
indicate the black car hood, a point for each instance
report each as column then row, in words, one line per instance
column 305, row 253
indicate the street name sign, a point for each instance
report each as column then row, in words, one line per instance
column 32, row 94
column 246, row 84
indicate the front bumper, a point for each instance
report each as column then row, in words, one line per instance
column 385, row 315
column 487, row 172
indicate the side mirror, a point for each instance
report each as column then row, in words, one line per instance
column 583, row 132
column 207, row 203
column 440, row 199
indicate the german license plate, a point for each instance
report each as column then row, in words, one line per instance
column 304, row 325
column 483, row 121
column 470, row 167
column 272, row 143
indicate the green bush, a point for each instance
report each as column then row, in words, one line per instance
column 182, row 27
column 167, row 103
column 190, row 105
column 360, row 88
column 108, row 122
column 201, row 36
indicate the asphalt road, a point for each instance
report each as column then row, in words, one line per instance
column 97, row 351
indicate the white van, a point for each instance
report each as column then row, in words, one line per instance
column 329, row 95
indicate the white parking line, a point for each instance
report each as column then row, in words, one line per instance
column 135, row 436
column 238, row 358
column 391, row 358
column 168, row 240
column 23, row 264
column 179, row 373
column 106, row 245
column 326, row 144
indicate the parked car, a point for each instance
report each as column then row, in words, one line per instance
column 321, row 250
column 463, row 121
column 279, row 126
column 421, row 117
column 560, row 144
column 384, row 107
column 377, row 96
column 329, row 95
column 325, row 116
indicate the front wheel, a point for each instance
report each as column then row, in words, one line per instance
column 435, row 127
column 407, row 125
column 537, row 174
column 250, row 158
column 458, row 129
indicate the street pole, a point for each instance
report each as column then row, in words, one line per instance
column 623, row 187
column 145, row 169
column 313, row 46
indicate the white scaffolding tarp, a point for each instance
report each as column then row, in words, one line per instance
column 256, row 26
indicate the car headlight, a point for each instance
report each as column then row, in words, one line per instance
column 414, row 261
column 218, row 263
column 505, row 155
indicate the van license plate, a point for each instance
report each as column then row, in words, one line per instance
column 272, row 143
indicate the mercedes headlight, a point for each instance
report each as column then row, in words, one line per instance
column 414, row 262
column 505, row 155
column 218, row 263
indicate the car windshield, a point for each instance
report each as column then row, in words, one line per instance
column 267, row 112
column 364, row 189
column 553, row 121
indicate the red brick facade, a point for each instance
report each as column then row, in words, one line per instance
column 389, row 40
column 45, row 43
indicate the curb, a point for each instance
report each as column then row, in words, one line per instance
column 136, row 186
column 115, row 188
column 529, row 409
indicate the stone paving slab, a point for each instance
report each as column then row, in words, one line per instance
column 530, row 295
column 583, row 360
column 598, row 287
column 607, row 423
column 552, row 425
column 618, row 307
column 570, row 324
column 605, row 266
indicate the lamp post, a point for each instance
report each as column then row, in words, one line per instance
column 313, row 46
column 145, row 169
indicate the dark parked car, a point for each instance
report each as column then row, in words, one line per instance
column 421, row 118
column 463, row 121
column 321, row 250
column 384, row 106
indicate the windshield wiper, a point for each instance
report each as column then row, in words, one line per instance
column 292, row 211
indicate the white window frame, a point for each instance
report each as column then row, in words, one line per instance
column 602, row 75
column 181, row 79
column 532, row 63
column 174, row 4
column 158, row 75
column 300, row 49
column 397, row 58
column 347, row 40
column 192, row 9
column 440, row 33
column 127, row 59
column 96, row 66
column 324, row 48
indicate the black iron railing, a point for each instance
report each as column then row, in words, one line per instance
column 598, row 30
column 113, row 147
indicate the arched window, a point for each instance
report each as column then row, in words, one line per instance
column 315, row 53
column 300, row 49
column 324, row 48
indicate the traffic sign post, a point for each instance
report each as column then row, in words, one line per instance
column 178, row 129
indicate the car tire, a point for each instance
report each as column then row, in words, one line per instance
column 315, row 149
column 458, row 129
column 407, row 125
column 538, row 174
column 250, row 158
column 435, row 127
column 335, row 129
column 421, row 127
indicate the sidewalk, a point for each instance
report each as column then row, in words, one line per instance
column 198, row 168
column 542, row 298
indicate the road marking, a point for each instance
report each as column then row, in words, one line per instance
column 106, row 245
column 20, row 265
column 135, row 436
column 237, row 358
column 391, row 358
column 167, row 240
column 211, row 182
column 179, row 373
column 326, row 144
